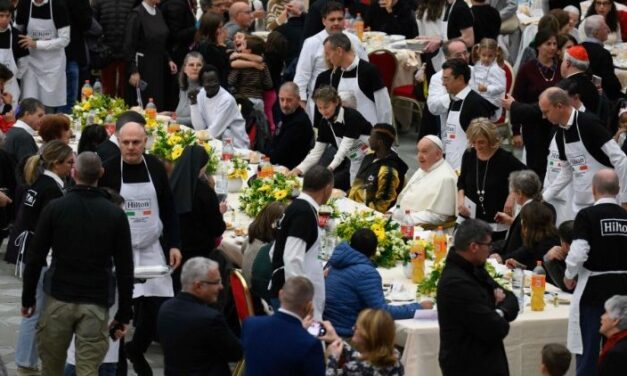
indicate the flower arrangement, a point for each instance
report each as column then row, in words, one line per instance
column 99, row 106
column 169, row 146
column 391, row 248
column 429, row 285
column 214, row 159
column 238, row 169
column 264, row 191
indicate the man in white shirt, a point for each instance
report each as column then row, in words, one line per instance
column 431, row 192
column 312, row 62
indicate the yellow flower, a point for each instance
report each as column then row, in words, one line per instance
column 264, row 187
column 280, row 195
column 208, row 148
column 177, row 150
column 86, row 106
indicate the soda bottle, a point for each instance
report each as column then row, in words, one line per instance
column 348, row 20
column 407, row 227
column 97, row 87
column 227, row 149
column 173, row 126
column 267, row 170
column 151, row 110
column 110, row 124
column 417, row 253
column 518, row 287
column 86, row 90
column 439, row 244
column 538, row 284
column 359, row 27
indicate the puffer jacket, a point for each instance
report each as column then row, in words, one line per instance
column 353, row 284
column 112, row 15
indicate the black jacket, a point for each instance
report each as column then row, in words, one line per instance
column 401, row 21
column 283, row 47
column 108, row 150
column 217, row 56
column 602, row 65
column 80, row 13
column 471, row 330
column 182, row 24
column 615, row 361
column 293, row 140
column 112, row 15
column 474, row 106
column 581, row 84
column 196, row 339
column 88, row 235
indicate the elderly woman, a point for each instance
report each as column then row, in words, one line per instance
column 188, row 80
column 55, row 127
column 532, row 79
column 607, row 9
column 484, row 175
column 613, row 358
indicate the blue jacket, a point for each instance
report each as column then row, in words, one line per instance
column 352, row 285
column 278, row 345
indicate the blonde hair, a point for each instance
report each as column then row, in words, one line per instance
column 51, row 153
column 482, row 127
column 490, row 44
column 376, row 327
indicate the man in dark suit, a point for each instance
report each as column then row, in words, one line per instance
column 474, row 312
column 575, row 79
column 601, row 63
column 279, row 345
column 110, row 149
column 195, row 338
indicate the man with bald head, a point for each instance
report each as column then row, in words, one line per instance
column 430, row 194
column 295, row 134
column 143, row 182
column 110, row 149
column 584, row 146
column 240, row 19
column 598, row 260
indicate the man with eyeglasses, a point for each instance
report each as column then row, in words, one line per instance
column 474, row 311
column 194, row 336
column 240, row 19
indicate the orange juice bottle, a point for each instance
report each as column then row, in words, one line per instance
column 86, row 91
column 358, row 25
column 267, row 170
column 151, row 109
column 538, row 284
column 439, row 244
column 417, row 252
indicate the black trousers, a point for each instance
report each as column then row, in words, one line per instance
column 145, row 310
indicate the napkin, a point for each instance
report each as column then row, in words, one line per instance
column 426, row 314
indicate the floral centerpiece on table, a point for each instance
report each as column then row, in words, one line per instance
column 99, row 106
column 429, row 285
column 214, row 159
column 238, row 169
column 169, row 146
column 391, row 248
column 264, row 191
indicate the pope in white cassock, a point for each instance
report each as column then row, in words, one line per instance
column 215, row 109
column 430, row 195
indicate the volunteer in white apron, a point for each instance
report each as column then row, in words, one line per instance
column 7, row 59
column 561, row 202
column 44, row 77
column 455, row 141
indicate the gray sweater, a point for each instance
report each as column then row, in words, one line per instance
column 183, row 111
column 19, row 144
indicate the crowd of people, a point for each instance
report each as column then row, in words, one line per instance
column 536, row 176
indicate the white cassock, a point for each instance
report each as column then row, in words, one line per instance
column 221, row 116
column 431, row 195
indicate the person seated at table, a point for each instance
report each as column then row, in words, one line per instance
column 606, row 9
column 430, row 194
column 213, row 108
column 92, row 137
column 554, row 263
column 601, row 62
column 555, row 360
column 341, row 127
column 260, row 232
column 539, row 235
column 613, row 358
column 382, row 173
column 353, row 284
column 197, row 205
column 188, row 80
column 392, row 17
column 55, row 127
column 372, row 351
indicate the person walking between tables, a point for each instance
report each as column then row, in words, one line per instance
column 89, row 236
column 474, row 311
column 584, row 146
column 597, row 258
column 46, row 25
column 142, row 180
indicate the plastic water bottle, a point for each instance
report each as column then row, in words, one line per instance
column 538, row 285
column 518, row 285
column 348, row 20
column 91, row 117
column 151, row 109
column 260, row 23
column 407, row 227
column 359, row 27
column 227, row 149
column 86, row 90
column 97, row 87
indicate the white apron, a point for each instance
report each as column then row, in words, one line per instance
column 45, row 77
column 142, row 210
column 455, row 141
column 365, row 105
column 584, row 167
column 439, row 58
column 560, row 202
column 573, row 339
column 315, row 273
column 356, row 154
column 6, row 58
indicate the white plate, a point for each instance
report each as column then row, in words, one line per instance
column 147, row 272
column 396, row 38
column 403, row 296
column 399, row 45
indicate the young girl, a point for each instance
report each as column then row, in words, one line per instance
column 489, row 79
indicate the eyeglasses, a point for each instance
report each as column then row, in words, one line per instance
column 488, row 244
column 218, row 282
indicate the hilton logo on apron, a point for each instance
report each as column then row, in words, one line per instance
column 579, row 163
column 613, row 227
column 138, row 210
column 31, row 198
